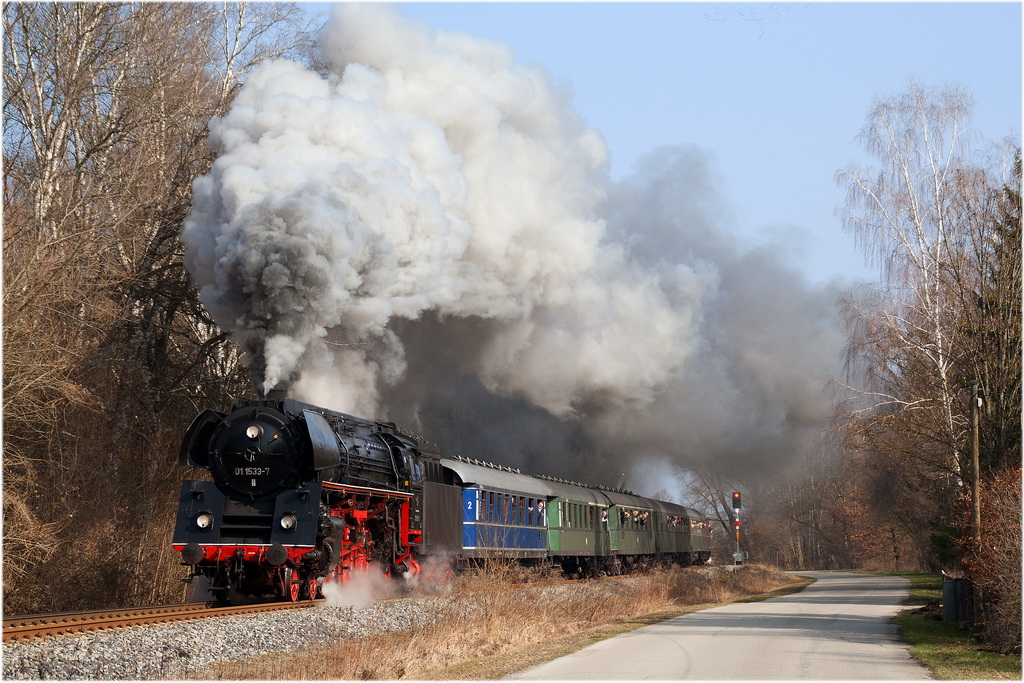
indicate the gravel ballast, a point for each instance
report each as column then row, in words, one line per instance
column 180, row 650
column 174, row 650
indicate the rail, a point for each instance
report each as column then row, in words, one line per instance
column 49, row 625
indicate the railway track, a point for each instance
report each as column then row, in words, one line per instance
column 50, row 625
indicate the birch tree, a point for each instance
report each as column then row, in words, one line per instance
column 941, row 219
column 903, row 216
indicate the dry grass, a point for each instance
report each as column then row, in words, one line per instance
column 496, row 627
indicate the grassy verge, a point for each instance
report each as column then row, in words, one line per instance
column 948, row 652
column 504, row 627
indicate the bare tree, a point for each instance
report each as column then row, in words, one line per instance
column 943, row 222
column 248, row 33
column 903, row 216
column 986, row 279
column 107, row 349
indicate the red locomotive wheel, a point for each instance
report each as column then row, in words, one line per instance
column 293, row 591
column 312, row 588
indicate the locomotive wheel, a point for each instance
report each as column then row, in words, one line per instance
column 287, row 585
column 311, row 588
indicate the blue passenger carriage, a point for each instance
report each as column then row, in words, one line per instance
column 504, row 513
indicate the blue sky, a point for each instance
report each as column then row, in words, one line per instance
column 776, row 93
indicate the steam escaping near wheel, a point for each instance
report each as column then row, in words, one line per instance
column 430, row 216
column 365, row 588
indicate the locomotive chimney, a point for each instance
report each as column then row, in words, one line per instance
column 274, row 395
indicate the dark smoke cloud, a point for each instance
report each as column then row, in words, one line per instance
column 746, row 403
column 429, row 235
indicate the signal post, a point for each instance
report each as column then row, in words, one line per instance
column 738, row 556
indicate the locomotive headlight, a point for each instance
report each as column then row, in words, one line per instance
column 204, row 521
column 288, row 522
column 253, row 431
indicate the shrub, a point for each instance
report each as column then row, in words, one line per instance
column 995, row 567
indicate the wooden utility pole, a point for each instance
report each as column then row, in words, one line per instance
column 976, row 402
column 975, row 466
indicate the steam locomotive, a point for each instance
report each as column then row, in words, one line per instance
column 301, row 495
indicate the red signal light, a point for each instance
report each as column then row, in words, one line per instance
column 736, row 499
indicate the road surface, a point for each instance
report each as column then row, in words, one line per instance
column 836, row 628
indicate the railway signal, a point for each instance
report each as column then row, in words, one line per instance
column 736, row 503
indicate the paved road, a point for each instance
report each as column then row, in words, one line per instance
column 834, row 629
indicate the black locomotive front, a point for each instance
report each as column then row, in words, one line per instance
column 296, row 490
column 253, row 454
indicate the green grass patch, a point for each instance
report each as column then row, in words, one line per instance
column 924, row 588
column 948, row 652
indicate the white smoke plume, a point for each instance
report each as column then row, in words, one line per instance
column 430, row 217
column 426, row 172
